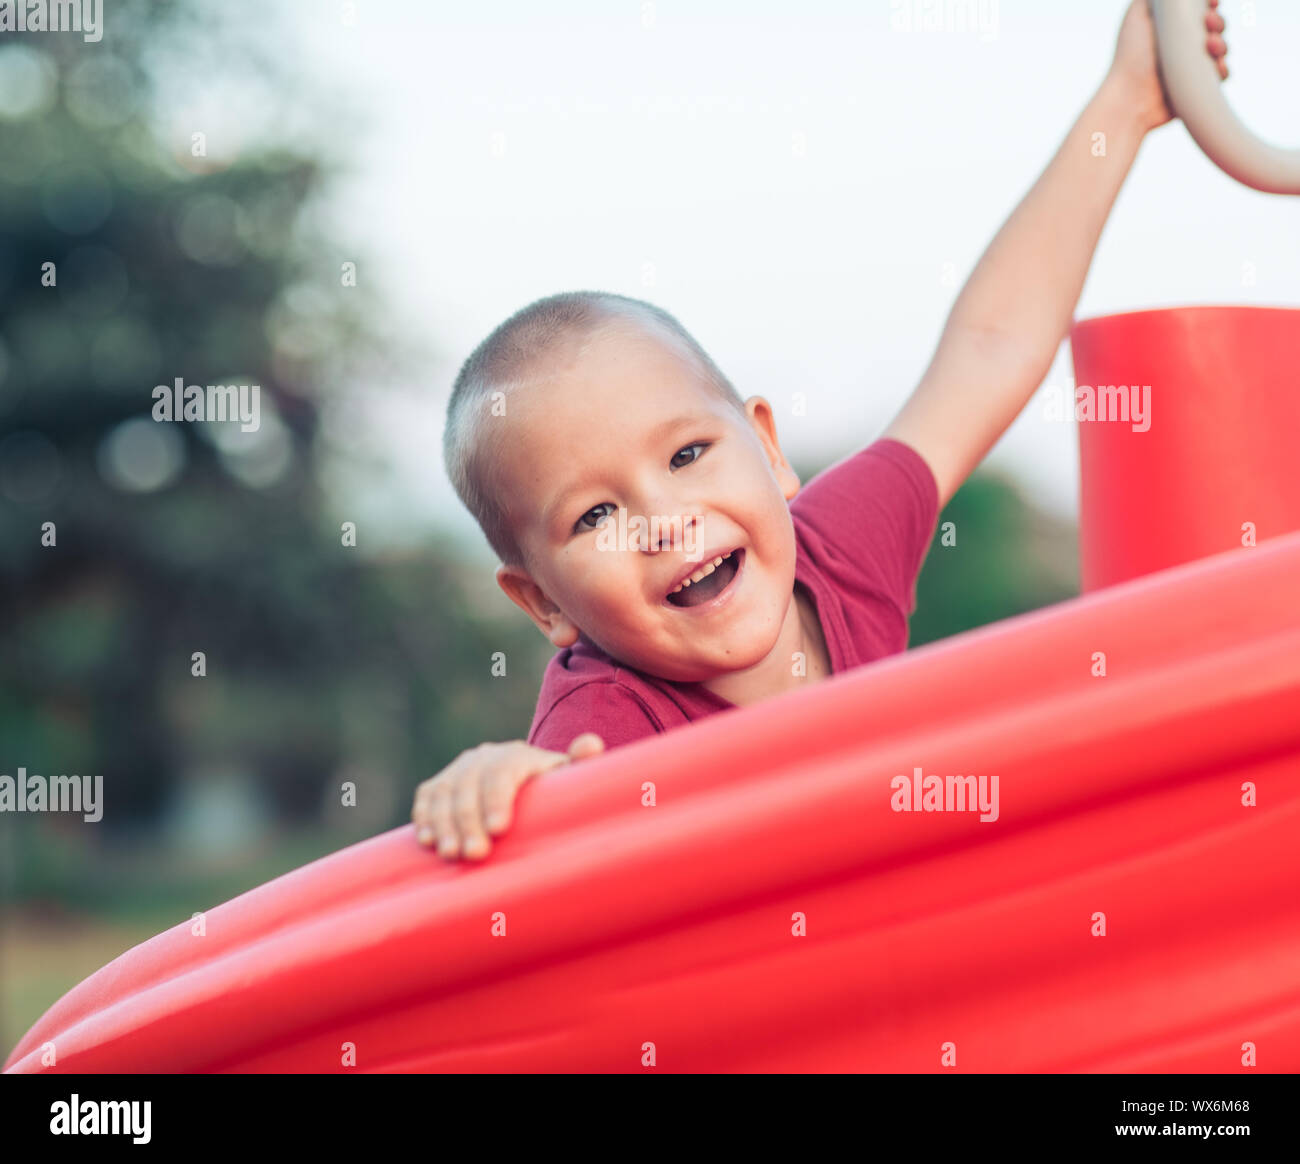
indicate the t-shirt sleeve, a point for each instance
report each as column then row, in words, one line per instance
column 605, row 707
column 876, row 511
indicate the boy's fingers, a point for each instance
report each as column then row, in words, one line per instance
column 486, row 794
column 426, row 796
column 444, row 827
column 467, row 815
column 477, row 800
column 421, row 816
column 499, row 790
column 502, row 784
column 587, row 744
column 424, row 814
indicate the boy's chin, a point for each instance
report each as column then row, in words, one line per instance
column 712, row 662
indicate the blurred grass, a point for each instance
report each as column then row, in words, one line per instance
column 48, row 947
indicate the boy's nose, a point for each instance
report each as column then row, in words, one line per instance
column 667, row 532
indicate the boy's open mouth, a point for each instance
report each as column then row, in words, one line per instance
column 711, row 585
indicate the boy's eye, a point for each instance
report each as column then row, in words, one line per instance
column 582, row 521
column 687, row 449
column 583, row 524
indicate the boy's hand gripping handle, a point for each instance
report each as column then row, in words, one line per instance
column 1192, row 89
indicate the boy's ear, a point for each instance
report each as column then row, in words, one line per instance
column 763, row 422
column 532, row 600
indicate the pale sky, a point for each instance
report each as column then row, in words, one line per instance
column 788, row 180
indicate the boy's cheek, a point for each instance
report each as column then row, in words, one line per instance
column 609, row 599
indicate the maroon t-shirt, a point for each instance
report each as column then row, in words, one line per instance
column 861, row 527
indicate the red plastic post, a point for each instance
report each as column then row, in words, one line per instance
column 1193, row 445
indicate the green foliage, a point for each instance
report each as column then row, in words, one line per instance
column 1007, row 558
column 179, row 538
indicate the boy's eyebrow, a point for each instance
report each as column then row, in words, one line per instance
column 653, row 437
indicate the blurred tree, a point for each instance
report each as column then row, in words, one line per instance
column 126, row 261
column 1007, row 557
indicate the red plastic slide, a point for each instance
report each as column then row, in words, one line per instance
column 1066, row 842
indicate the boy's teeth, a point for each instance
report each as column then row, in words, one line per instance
column 702, row 573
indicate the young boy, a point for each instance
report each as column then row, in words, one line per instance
column 648, row 523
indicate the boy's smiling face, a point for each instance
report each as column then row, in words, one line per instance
column 632, row 422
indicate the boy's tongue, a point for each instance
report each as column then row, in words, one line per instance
column 706, row 589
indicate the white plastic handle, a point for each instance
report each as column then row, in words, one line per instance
column 1192, row 87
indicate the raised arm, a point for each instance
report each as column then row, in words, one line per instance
column 1006, row 325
